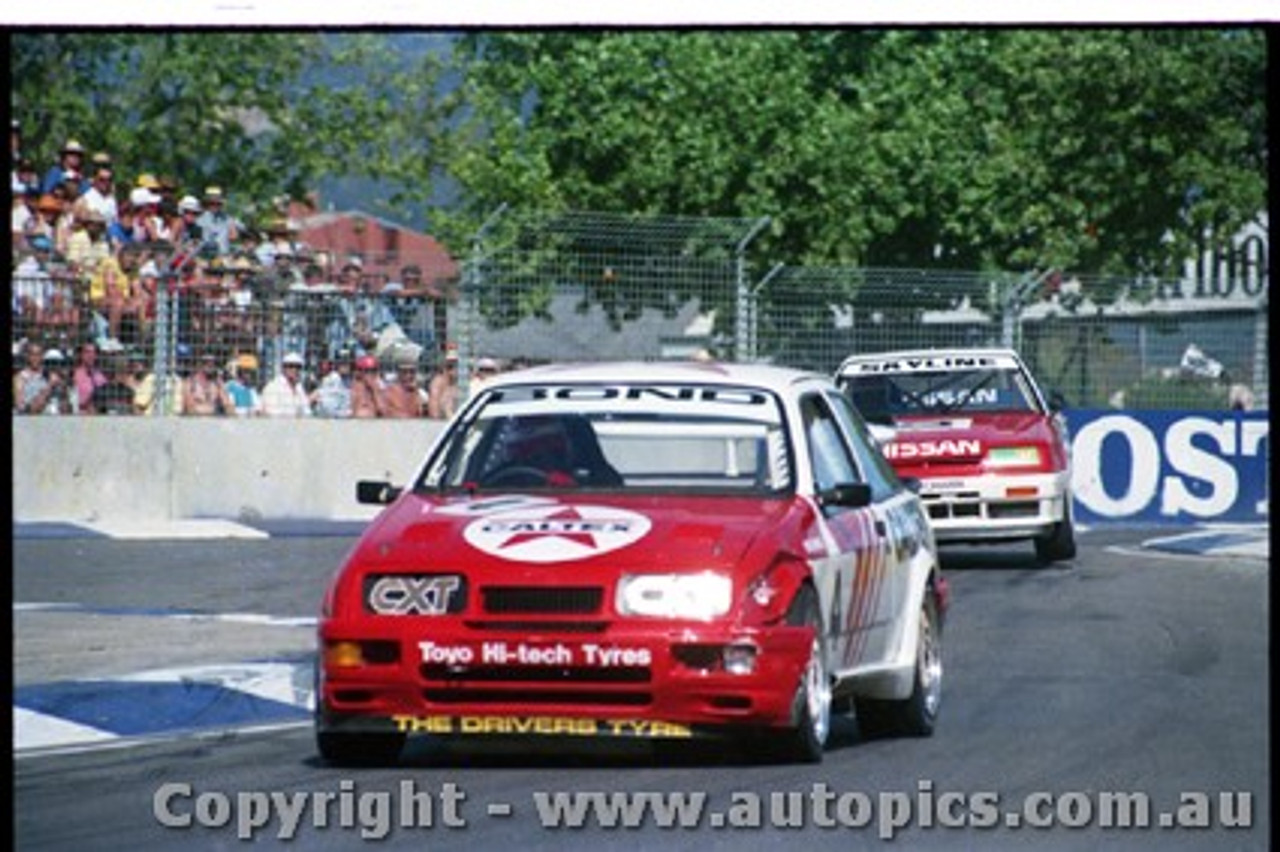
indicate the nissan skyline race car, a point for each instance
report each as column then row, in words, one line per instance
column 658, row 551
column 972, row 427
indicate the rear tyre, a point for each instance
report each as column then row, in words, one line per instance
column 1060, row 544
column 917, row 714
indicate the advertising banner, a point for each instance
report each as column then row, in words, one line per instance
column 1175, row 467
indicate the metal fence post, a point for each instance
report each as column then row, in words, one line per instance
column 745, row 327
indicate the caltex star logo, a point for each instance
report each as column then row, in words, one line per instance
column 567, row 524
column 555, row 532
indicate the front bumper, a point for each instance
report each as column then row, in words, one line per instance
column 995, row 507
column 645, row 682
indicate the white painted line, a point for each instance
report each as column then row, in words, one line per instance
column 184, row 529
column 37, row 730
column 167, row 737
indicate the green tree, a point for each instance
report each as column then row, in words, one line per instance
column 1093, row 151
column 261, row 114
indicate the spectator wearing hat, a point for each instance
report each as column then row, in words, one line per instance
column 285, row 395
column 74, row 185
column 45, row 390
column 486, row 369
column 87, row 246
column 63, row 222
column 203, row 393
column 70, row 158
column 24, row 176
column 277, row 241
column 405, row 397
column 101, row 194
column 148, row 390
column 218, row 228
column 148, row 225
column 186, row 230
column 26, row 218
column 242, row 386
column 87, row 376
column 442, row 392
column 333, row 397
column 368, row 393
column 48, row 215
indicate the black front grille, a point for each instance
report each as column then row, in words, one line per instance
column 522, row 625
column 541, row 600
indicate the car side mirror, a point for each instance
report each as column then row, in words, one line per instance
column 376, row 493
column 912, row 484
column 849, row 495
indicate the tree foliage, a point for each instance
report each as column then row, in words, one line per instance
column 1087, row 150
column 1091, row 150
column 263, row 115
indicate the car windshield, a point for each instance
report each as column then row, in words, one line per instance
column 620, row 437
column 881, row 397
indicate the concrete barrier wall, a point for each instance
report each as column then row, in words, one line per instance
column 88, row 468
column 1151, row 467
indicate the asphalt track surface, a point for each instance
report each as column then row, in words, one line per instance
column 1135, row 670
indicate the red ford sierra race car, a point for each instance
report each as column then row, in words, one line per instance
column 972, row 426
column 649, row 550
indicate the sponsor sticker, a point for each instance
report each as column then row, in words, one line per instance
column 555, row 532
column 503, row 653
column 551, row 726
column 946, row 448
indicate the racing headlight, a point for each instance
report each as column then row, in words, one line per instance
column 702, row 596
column 1013, row 457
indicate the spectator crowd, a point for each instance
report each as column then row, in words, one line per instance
column 114, row 281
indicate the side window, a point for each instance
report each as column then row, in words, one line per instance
column 876, row 471
column 828, row 453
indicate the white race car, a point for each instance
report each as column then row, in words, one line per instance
column 972, row 426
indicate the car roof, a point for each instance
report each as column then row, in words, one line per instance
column 944, row 352
column 781, row 380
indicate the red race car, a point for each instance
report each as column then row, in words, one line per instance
column 647, row 550
column 971, row 425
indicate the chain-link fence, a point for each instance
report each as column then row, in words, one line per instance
column 164, row 317
column 1099, row 341
column 578, row 286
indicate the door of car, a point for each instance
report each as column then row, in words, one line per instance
column 853, row 577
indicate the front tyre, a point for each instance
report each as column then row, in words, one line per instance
column 917, row 714
column 806, row 739
column 359, row 749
